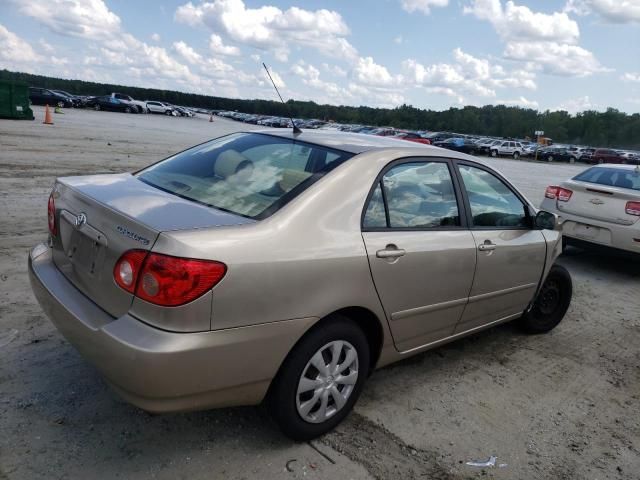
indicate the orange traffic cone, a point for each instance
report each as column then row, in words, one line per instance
column 47, row 116
column 211, row 117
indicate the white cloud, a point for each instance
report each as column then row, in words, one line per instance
column 47, row 47
column 554, row 58
column 367, row 72
column 155, row 37
column 79, row 18
column 187, row 53
column 217, row 46
column 520, row 102
column 547, row 42
column 334, row 70
column 423, row 6
column 270, row 28
column 468, row 75
column 15, row 50
column 631, row 77
column 579, row 104
column 615, row 11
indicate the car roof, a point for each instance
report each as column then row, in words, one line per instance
column 618, row 166
column 345, row 141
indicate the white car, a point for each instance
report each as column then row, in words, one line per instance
column 600, row 206
column 139, row 107
column 507, row 148
column 160, row 107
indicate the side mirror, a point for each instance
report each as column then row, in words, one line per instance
column 546, row 220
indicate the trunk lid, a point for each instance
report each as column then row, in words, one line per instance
column 599, row 202
column 100, row 217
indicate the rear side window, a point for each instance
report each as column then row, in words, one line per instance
column 612, row 177
column 252, row 175
column 416, row 195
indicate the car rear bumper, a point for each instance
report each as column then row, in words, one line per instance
column 596, row 232
column 162, row 371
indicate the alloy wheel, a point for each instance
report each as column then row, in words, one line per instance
column 327, row 381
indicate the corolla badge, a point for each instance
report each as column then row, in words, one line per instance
column 132, row 235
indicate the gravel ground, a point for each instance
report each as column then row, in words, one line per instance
column 558, row 406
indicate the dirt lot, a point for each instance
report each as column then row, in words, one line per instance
column 559, row 406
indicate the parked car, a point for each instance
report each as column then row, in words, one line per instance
column 136, row 105
column 555, row 154
column 587, row 155
column 506, row 148
column 630, row 158
column 600, row 206
column 484, row 146
column 606, row 155
column 75, row 100
column 107, row 102
column 301, row 312
column 438, row 136
column 160, row 107
column 44, row 96
column 458, row 145
column 413, row 137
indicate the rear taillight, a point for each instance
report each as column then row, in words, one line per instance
column 166, row 280
column 555, row 192
column 127, row 269
column 633, row 208
column 51, row 216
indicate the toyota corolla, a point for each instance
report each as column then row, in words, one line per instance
column 284, row 267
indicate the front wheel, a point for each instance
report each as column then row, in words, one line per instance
column 516, row 155
column 96, row 107
column 127, row 110
column 550, row 158
column 494, row 153
column 320, row 380
column 551, row 303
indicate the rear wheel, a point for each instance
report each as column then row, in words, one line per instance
column 320, row 380
column 127, row 109
column 550, row 158
column 551, row 303
column 96, row 107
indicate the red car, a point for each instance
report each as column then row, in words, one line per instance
column 412, row 137
column 606, row 155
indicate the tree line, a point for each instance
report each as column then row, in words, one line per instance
column 610, row 128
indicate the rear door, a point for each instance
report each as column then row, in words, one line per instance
column 511, row 254
column 421, row 254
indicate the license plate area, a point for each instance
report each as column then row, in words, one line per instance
column 84, row 246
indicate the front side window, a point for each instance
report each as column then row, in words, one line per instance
column 417, row 195
column 492, row 203
column 251, row 175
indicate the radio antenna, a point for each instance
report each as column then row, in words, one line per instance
column 296, row 130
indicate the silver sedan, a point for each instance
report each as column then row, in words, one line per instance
column 285, row 267
column 599, row 207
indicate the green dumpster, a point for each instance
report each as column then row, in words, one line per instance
column 14, row 101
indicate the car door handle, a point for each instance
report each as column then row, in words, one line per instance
column 391, row 251
column 487, row 246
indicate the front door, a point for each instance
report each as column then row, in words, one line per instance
column 511, row 253
column 421, row 254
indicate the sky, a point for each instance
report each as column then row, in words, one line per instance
column 572, row 55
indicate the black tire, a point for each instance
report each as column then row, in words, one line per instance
column 168, row 112
column 550, row 158
column 494, row 153
column 282, row 397
column 516, row 155
column 96, row 107
column 552, row 302
column 127, row 109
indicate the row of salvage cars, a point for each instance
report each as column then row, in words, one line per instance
column 114, row 102
column 284, row 267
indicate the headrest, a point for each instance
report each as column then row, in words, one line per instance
column 228, row 162
column 292, row 178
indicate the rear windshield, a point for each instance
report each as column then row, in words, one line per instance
column 612, row 177
column 248, row 174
